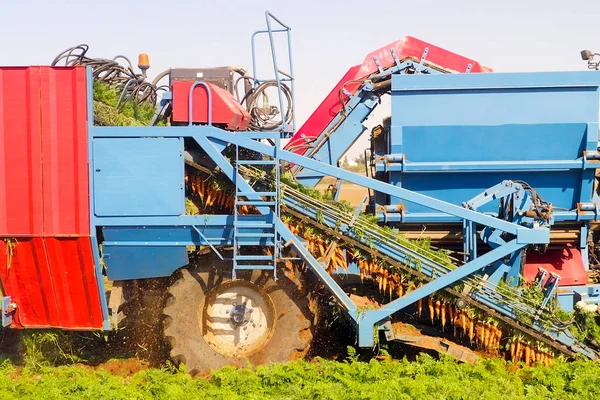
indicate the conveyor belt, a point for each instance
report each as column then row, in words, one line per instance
column 377, row 242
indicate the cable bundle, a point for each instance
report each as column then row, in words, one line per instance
column 131, row 85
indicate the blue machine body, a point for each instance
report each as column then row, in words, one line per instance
column 453, row 136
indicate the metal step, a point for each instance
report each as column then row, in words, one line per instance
column 246, row 194
column 252, row 224
column 253, row 258
column 255, row 235
column 254, row 203
column 254, row 267
column 256, row 162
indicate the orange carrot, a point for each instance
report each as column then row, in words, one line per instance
column 430, row 304
column 513, row 350
column 321, row 249
column 481, row 335
column 443, row 316
column 471, row 330
column 486, row 336
column 437, row 306
column 400, row 293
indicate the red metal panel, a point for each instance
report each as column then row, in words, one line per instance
column 413, row 47
column 226, row 109
column 566, row 262
column 27, row 279
column 65, row 151
column 71, row 265
column 53, row 283
column 44, row 198
column 406, row 47
column 21, row 210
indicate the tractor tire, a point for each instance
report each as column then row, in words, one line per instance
column 212, row 321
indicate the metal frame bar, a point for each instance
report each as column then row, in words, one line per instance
column 93, row 226
column 468, row 166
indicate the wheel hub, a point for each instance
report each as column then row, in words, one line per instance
column 240, row 315
column 237, row 319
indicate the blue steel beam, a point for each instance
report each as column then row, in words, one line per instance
column 408, row 217
column 496, row 166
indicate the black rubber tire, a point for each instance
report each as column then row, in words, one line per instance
column 293, row 320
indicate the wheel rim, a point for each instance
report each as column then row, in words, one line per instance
column 237, row 319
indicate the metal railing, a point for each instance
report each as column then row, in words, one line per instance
column 280, row 76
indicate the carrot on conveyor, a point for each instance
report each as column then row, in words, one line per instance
column 437, row 305
column 518, row 351
column 400, row 290
column 430, row 304
column 385, row 280
column 443, row 316
column 471, row 329
column 481, row 336
column 486, row 335
column 513, row 349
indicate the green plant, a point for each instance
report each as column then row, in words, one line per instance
column 47, row 347
column 423, row 378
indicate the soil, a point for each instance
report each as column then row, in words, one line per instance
column 127, row 367
column 349, row 191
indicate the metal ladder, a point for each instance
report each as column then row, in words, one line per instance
column 245, row 225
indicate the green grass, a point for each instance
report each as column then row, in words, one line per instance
column 424, row 378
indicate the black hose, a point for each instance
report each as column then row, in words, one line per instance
column 268, row 118
column 113, row 74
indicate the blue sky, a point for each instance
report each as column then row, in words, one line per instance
column 328, row 36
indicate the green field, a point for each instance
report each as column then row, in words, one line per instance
column 424, row 378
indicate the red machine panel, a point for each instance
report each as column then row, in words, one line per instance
column 566, row 262
column 43, row 152
column 21, row 207
column 49, row 270
column 406, row 47
column 74, row 280
column 227, row 111
column 65, row 151
column 52, row 281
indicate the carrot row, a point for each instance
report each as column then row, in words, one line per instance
column 212, row 197
column 524, row 351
